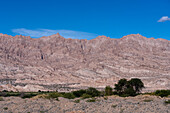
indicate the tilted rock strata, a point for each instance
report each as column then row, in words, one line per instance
column 53, row 62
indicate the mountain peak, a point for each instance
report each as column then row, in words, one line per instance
column 101, row 38
column 1, row 34
column 133, row 36
column 56, row 35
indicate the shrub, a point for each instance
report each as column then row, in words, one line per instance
column 54, row 95
column 108, row 91
column 167, row 102
column 77, row 101
column 93, row 92
column 79, row 93
column 114, row 105
column 27, row 95
column 42, row 111
column 105, row 98
column 69, row 95
column 115, row 93
column 7, row 94
column 102, row 93
column 5, row 108
column 13, row 93
column 91, row 100
column 42, row 96
column 5, row 91
column 1, row 99
column 84, row 96
column 148, row 100
column 148, row 93
column 162, row 93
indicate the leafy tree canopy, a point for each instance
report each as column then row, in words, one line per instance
column 129, row 88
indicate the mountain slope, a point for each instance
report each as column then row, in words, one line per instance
column 56, row 63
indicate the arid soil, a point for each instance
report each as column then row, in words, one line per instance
column 114, row 104
column 56, row 63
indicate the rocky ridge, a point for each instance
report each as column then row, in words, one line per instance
column 56, row 63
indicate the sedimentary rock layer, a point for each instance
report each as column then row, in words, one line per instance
column 56, row 63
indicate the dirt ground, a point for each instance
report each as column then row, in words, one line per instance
column 112, row 104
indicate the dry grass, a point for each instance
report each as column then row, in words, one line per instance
column 44, row 96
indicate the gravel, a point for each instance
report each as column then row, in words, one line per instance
column 113, row 104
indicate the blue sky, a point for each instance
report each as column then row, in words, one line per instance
column 85, row 18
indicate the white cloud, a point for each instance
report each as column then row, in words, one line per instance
column 164, row 18
column 47, row 32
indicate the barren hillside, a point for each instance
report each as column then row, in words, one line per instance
column 56, row 63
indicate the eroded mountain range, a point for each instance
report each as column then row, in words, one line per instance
column 56, row 63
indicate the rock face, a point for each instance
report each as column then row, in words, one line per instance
column 56, row 63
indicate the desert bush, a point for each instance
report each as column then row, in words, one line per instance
column 102, row 93
column 5, row 91
column 108, row 91
column 5, row 108
column 28, row 95
column 162, row 93
column 105, row 98
column 7, row 94
column 1, row 99
column 91, row 100
column 148, row 100
column 84, row 96
column 54, row 95
column 93, row 92
column 13, row 93
column 69, row 95
column 41, row 96
column 167, row 101
column 148, row 93
column 114, row 105
column 79, row 93
column 77, row 101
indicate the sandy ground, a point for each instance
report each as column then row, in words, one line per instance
column 114, row 104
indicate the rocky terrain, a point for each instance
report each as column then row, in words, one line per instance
column 114, row 104
column 56, row 63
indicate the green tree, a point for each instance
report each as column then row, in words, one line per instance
column 129, row 88
column 108, row 90
column 121, row 86
column 137, row 84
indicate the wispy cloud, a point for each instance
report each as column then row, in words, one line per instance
column 164, row 18
column 47, row 32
